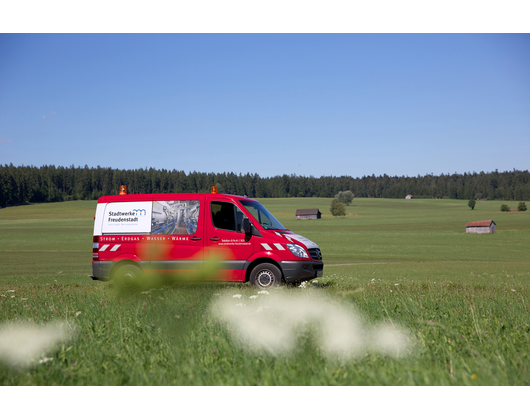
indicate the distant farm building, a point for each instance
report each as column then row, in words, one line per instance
column 409, row 197
column 484, row 226
column 308, row 214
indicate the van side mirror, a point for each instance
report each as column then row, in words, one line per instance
column 246, row 226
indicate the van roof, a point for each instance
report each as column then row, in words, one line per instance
column 165, row 196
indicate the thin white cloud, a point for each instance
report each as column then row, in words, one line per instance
column 47, row 117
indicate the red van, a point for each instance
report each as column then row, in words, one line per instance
column 167, row 233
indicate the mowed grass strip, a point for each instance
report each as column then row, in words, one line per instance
column 46, row 238
column 408, row 230
column 464, row 299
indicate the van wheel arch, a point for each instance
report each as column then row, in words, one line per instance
column 261, row 261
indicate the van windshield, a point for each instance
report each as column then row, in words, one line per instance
column 262, row 215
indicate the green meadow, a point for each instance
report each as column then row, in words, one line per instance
column 464, row 299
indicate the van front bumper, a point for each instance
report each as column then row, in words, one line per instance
column 295, row 271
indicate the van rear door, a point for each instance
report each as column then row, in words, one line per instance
column 123, row 229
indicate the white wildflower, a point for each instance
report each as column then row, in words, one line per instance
column 10, row 291
column 177, row 316
column 144, row 293
column 23, row 298
column 315, row 281
column 341, row 331
column 160, row 297
column 3, row 295
column 513, row 290
column 397, row 284
column 253, row 296
column 78, row 313
column 263, row 292
column 237, row 296
column 46, row 359
column 12, row 297
column 22, row 343
column 303, row 285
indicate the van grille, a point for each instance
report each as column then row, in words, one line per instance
column 315, row 254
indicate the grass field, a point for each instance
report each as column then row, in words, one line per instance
column 462, row 298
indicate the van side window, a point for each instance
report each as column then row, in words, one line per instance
column 226, row 216
column 175, row 217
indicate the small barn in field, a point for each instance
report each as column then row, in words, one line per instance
column 308, row 214
column 484, row 226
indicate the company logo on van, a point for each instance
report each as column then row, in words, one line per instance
column 126, row 216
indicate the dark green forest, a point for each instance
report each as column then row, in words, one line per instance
column 23, row 184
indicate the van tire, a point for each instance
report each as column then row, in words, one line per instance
column 128, row 275
column 265, row 276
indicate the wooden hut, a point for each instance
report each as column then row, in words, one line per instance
column 484, row 226
column 308, row 214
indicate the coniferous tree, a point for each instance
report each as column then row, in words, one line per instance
column 49, row 183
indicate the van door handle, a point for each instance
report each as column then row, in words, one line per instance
column 195, row 239
column 215, row 238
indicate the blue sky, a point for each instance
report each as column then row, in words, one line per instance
column 310, row 104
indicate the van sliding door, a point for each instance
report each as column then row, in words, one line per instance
column 177, row 233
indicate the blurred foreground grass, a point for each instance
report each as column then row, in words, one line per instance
column 465, row 334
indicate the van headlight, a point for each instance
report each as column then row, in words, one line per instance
column 297, row 250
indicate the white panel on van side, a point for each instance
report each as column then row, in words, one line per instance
column 129, row 217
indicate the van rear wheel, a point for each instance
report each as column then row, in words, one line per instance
column 266, row 276
column 128, row 275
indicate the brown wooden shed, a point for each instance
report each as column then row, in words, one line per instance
column 308, row 214
column 484, row 226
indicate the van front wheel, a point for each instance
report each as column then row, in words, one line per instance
column 266, row 276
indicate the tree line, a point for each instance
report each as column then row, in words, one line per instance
column 22, row 184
